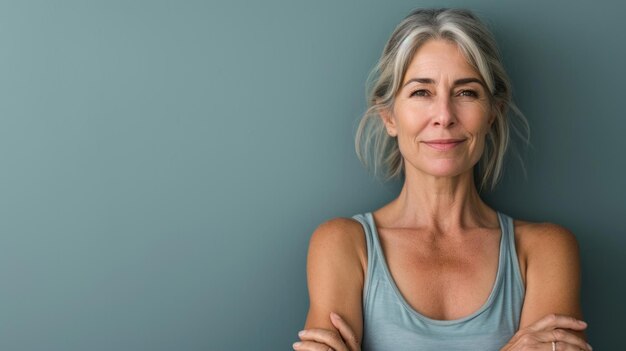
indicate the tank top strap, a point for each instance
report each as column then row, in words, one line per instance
column 372, row 251
column 511, row 261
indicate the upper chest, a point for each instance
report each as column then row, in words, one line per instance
column 442, row 278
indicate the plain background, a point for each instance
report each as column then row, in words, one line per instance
column 163, row 163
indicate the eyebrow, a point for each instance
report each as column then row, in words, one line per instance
column 456, row 82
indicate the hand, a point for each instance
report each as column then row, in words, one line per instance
column 550, row 329
column 329, row 340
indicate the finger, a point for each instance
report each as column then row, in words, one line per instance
column 553, row 321
column 346, row 332
column 563, row 337
column 311, row 346
column 561, row 346
column 324, row 336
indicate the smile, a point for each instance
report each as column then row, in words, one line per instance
column 443, row 145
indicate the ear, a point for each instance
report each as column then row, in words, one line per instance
column 387, row 117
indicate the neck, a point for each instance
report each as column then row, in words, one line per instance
column 439, row 204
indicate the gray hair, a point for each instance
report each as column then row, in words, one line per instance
column 377, row 150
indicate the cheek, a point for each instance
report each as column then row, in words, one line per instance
column 480, row 139
column 482, row 131
column 479, row 129
column 477, row 122
column 409, row 136
column 411, row 127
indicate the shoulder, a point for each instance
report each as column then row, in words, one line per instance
column 338, row 230
column 537, row 241
column 339, row 239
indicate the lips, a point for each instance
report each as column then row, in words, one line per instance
column 444, row 144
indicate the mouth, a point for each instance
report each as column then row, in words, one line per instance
column 444, row 144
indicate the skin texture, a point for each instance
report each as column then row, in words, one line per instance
column 438, row 229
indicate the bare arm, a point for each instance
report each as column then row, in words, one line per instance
column 552, row 275
column 551, row 311
column 335, row 275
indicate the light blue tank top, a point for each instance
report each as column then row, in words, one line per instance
column 390, row 323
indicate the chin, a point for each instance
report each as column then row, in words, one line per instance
column 446, row 170
column 446, row 174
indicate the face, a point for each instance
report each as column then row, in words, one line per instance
column 442, row 112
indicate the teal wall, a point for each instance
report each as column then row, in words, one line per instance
column 163, row 163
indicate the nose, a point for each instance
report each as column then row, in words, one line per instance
column 444, row 115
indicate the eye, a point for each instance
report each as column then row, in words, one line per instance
column 420, row 92
column 468, row 93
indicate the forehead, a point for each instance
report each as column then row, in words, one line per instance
column 438, row 58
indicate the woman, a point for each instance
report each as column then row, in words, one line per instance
column 437, row 268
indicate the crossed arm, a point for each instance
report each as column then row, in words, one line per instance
column 336, row 267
